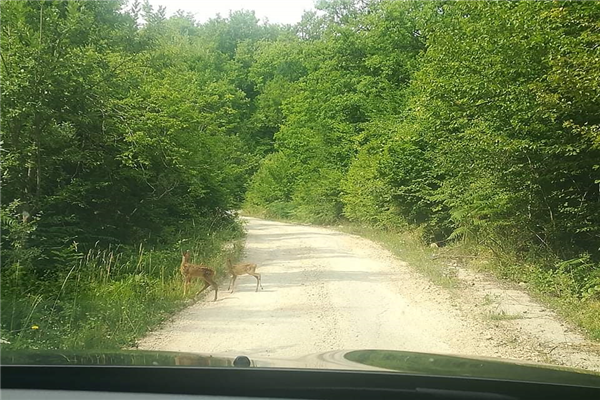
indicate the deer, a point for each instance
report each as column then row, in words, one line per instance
column 242, row 269
column 189, row 271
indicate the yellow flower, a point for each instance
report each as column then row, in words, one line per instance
column 35, row 327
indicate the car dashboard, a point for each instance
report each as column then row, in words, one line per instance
column 173, row 383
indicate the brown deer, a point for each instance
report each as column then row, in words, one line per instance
column 189, row 271
column 242, row 269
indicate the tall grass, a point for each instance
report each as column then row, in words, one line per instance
column 105, row 298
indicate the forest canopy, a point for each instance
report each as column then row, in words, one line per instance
column 472, row 119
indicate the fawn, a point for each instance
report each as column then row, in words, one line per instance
column 189, row 271
column 242, row 269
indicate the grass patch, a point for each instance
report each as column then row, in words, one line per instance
column 488, row 300
column 106, row 299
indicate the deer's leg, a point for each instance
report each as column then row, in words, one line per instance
column 216, row 287
column 230, row 280
column 260, row 281
column 257, row 276
column 206, row 284
column 186, row 282
column 210, row 282
column 233, row 283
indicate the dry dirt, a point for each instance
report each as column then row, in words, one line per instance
column 325, row 290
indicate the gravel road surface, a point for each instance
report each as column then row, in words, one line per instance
column 326, row 290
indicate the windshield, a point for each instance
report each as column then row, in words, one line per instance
column 301, row 184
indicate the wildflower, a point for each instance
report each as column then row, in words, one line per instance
column 34, row 327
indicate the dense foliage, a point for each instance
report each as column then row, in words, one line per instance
column 118, row 133
column 126, row 136
column 470, row 120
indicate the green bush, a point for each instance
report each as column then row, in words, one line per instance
column 317, row 198
column 103, row 298
column 273, row 183
column 366, row 196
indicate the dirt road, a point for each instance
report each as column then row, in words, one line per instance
column 326, row 290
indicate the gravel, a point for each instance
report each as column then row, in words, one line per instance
column 325, row 290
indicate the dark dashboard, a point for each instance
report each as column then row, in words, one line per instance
column 135, row 382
